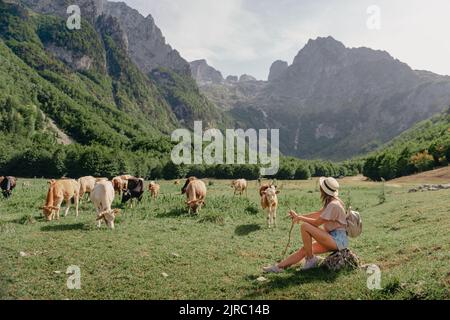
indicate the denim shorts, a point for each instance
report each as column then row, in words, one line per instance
column 341, row 239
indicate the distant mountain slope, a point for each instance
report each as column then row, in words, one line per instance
column 335, row 102
column 146, row 45
column 422, row 134
column 93, row 70
column 424, row 147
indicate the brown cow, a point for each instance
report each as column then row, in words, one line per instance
column 240, row 186
column 269, row 201
column 60, row 190
column 189, row 180
column 87, row 184
column 154, row 189
column 195, row 193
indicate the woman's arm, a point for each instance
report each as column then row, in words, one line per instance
column 313, row 221
column 312, row 218
column 313, row 215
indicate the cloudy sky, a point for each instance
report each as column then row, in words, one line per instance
column 246, row 36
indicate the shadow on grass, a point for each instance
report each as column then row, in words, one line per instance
column 246, row 229
column 252, row 210
column 64, row 227
column 173, row 213
column 290, row 278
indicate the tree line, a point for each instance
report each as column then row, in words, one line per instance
column 424, row 147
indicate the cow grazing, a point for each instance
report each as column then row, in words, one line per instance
column 195, row 193
column 177, row 182
column 7, row 184
column 154, row 189
column 102, row 197
column 134, row 190
column 240, row 186
column 87, row 184
column 189, row 180
column 60, row 190
column 269, row 202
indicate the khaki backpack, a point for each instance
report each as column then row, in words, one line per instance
column 354, row 223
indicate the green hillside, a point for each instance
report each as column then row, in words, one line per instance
column 107, row 102
column 423, row 147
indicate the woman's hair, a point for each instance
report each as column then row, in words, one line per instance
column 326, row 198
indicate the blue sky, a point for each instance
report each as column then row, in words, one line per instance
column 246, row 36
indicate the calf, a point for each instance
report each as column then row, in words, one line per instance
column 134, row 190
column 7, row 184
column 269, row 201
column 240, row 186
column 195, row 193
column 58, row 191
column 154, row 189
column 102, row 196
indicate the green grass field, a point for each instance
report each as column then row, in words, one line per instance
column 219, row 253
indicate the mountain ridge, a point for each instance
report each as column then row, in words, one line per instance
column 335, row 102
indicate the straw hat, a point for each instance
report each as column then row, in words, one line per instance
column 330, row 186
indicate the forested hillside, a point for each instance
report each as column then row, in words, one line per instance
column 424, row 147
column 83, row 83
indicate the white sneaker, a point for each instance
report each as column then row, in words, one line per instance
column 311, row 263
column 272, row 269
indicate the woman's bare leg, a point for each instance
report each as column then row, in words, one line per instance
column 310, row 232
column 298, row 256
column 325, row 243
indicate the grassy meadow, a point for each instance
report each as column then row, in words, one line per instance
column 219, row 253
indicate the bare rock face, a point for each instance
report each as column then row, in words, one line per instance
column 108, row 25
column 147, row 45
column 232, row 79
column 277, row 69
column 247, row 78
column 204, row 73
column 73, row 60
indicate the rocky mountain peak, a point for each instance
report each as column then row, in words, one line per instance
column 204, row 73
column 277, row 69
column 147, row 46
column 321, row 50
column 246, row 78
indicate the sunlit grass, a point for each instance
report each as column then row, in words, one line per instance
column 218, row 254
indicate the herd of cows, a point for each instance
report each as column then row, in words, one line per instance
column 102, row 191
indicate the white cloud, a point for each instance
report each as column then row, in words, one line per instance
column 246, row 36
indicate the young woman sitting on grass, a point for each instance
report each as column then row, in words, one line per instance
column 332, row 237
